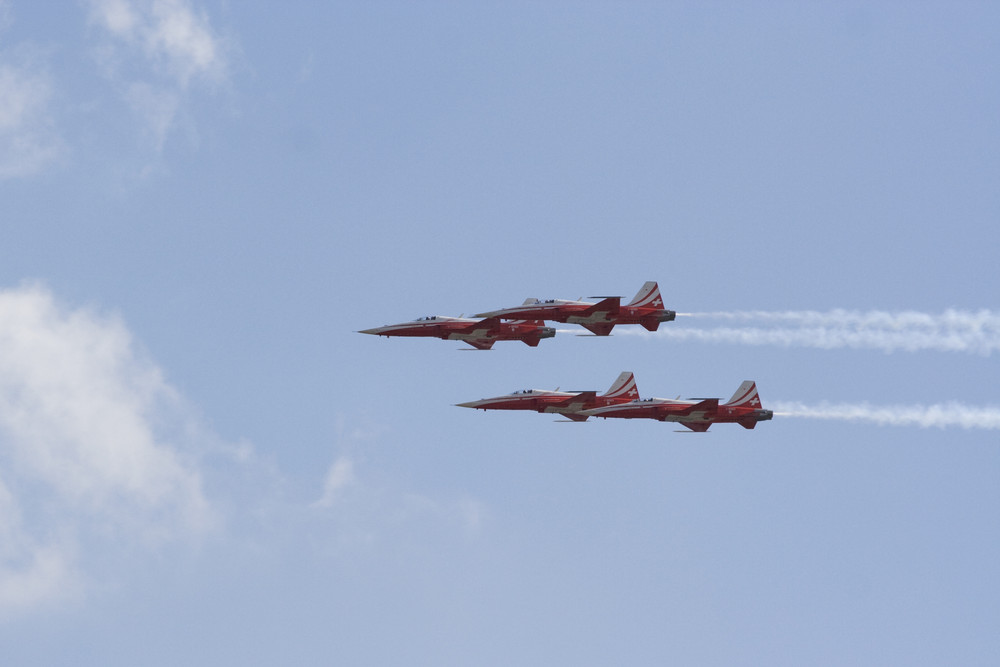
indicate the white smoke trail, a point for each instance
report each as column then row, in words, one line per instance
column 976, row 332
column 937, row 415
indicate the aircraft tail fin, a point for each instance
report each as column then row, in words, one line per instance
column 746, row 395
column 648, row 296
column 623, row 387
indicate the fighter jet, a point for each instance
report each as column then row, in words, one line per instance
column 479, row 333
column 697, row 414
column 571, row 404
column 601, row 317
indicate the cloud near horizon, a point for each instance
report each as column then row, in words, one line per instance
column 101, row 459
column 86, row 428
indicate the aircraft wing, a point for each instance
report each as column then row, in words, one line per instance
column 579, row 401
column 674, row 412
column 697, row 427
column 706, row 406
column 486, row 326
column 609, row 304
column 599, row 328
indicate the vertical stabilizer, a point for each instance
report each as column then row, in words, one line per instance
column 746, row 395
column 624, row 387
column 648, row 296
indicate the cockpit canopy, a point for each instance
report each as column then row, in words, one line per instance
column 426, row 319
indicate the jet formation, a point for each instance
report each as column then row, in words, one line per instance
column 526, row 322
column 622, row 402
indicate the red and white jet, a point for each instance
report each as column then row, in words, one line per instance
column 568, row 403
column 697, row 414
column 479, row 333
column 600, row 317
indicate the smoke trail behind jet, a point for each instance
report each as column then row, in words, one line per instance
column 937, row 415
column 976, row 332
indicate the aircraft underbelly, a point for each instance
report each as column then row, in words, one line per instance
column 564, row 409
column 476, row 335
column 589, row 319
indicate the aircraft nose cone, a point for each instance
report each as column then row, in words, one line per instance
column 374, row 331
column 470, row 404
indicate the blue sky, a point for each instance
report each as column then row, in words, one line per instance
column 201, row 462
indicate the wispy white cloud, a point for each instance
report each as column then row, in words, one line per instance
column 338, row 477
column 171, row 35
column 367, row 508
column 101, row 460
column 157, row 107
column 86, row 428
column 155, row 50
column 154, row 54
column 30, row 573
column 28, row 139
